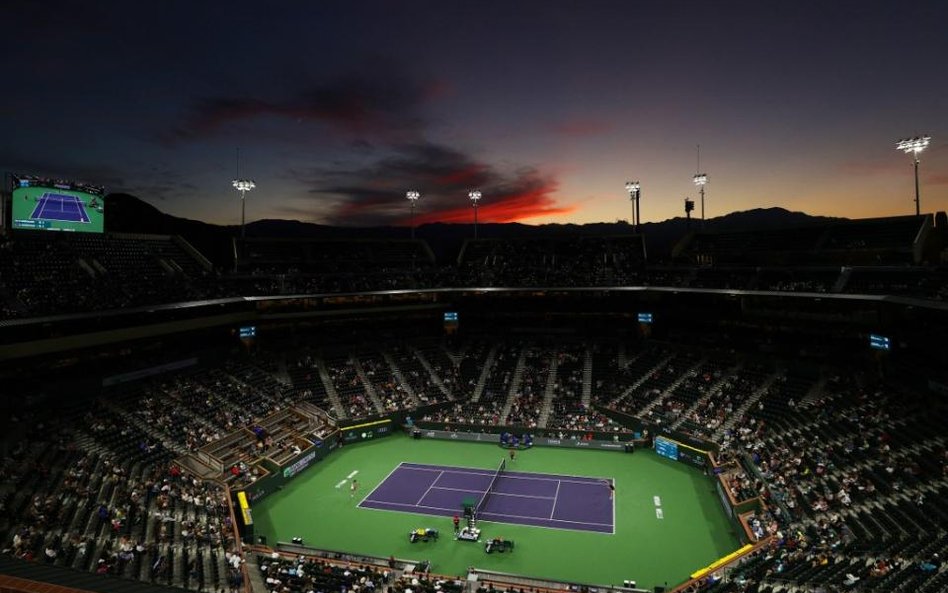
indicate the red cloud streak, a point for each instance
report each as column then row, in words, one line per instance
column 529, row 203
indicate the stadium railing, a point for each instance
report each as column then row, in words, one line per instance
column 500, row 581
column 721, row 569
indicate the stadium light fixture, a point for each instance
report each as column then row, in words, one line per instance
column 689, row 206
column 412, row 197
column 914, row 146
column 475, row 196
column 243, row 186
column 701, row 179
column 635, row 193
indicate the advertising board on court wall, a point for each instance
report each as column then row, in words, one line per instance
column 484, row 437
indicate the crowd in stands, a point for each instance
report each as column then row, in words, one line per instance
column 56, row 273
column 355, row 400
column 392, row 394
column 850, row 471
column 428, row 387
column 305, row 574
column 847, row 476
column 91, row 492
column 526, row 401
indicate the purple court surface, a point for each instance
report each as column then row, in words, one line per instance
column 60, row 207
column 541, row 500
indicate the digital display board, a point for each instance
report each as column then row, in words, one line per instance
column 879, row 342
column 366, row 430
column 666, row 448
column 247, row 332
column 645, row 318
column 680, row 452
column 451, row 316
column 54, row 205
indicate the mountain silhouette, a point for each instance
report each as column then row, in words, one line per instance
column 128, row 214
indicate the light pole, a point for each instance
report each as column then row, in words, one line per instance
column 475, row 196
column 412, row 197
column 700, row 180
column 243, row 186
column 635, row 194
column 914, row 146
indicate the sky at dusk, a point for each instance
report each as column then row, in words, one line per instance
column 546, row 107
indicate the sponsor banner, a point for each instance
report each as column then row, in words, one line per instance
column 299, row 465
column 367, row 430
column 484, row 437
column 481, row 437
column 724, row 501
column 244, row 506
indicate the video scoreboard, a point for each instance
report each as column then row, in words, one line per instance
column 44, row 204
column 680, row 452
column 666, row 448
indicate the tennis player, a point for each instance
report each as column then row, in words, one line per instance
column 612, row 488
column 353, row 488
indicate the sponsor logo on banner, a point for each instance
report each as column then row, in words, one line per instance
column 299, row 466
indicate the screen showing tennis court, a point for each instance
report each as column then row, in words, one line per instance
column 60, row 207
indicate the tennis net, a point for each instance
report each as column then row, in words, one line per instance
column 490, row 487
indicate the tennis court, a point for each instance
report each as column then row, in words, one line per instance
column 503, row 496
column 691, row 532
column 52, row 206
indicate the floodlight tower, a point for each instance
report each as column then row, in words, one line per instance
column 475, row 196
column 914, row 146
column 412, row 197
column 635, row 194
column 243, row 186
column 701, row 179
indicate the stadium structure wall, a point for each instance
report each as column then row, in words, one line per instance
column 494, row 437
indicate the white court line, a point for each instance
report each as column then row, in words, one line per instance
column 423, row 506
column 585, row 479
column 389, row 475
column 542, row 519
column 430, row 486
column 82, row 211
column 43, row 205
column 591, row 481
column 555, row 496
column 352, row 475
column 340, row 484
column 493, row 492
column 411, row 506
column 612, row 500
column 409, row 465
column 471, row 490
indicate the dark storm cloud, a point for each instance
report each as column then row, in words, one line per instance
column 365, row 107
column 375, row 194
column 103, row 175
